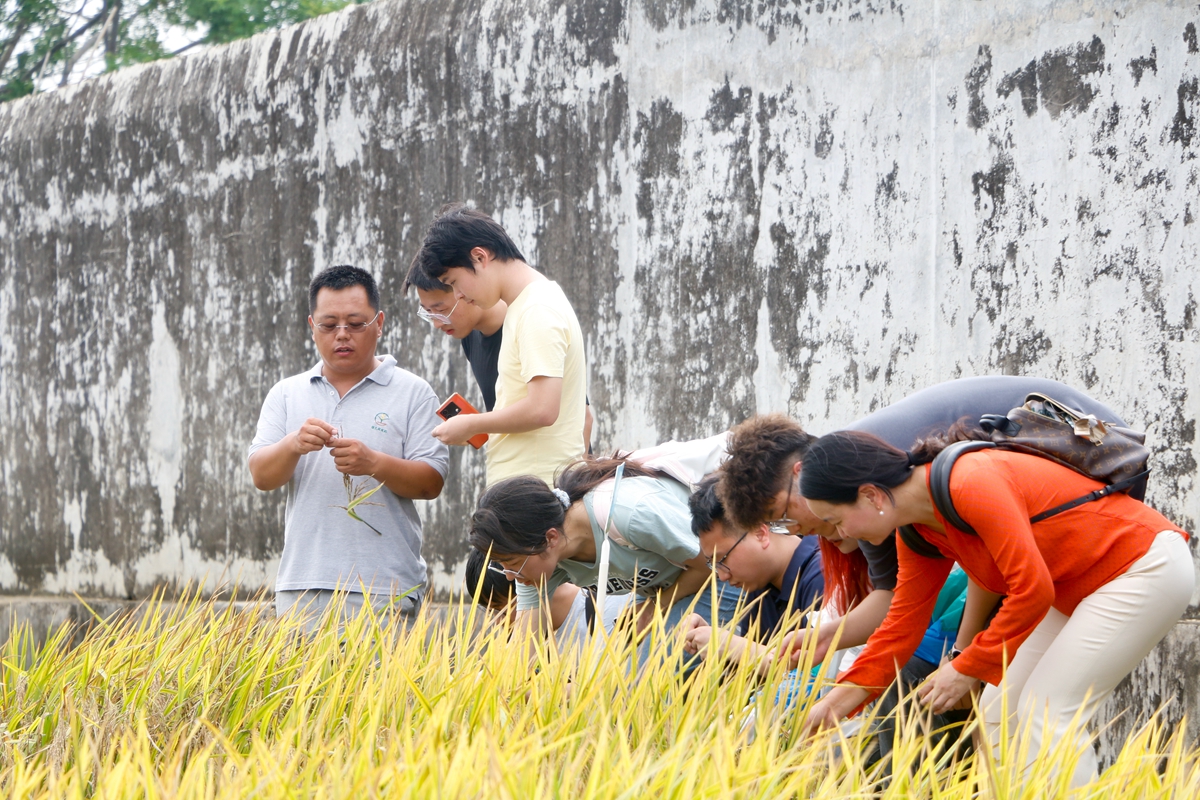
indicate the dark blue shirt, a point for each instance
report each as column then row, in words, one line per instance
column 803, row 583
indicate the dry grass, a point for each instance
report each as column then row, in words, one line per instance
column 194, row 701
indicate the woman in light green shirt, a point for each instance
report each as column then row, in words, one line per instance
column 542, row 537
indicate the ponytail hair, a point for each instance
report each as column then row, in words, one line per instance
column 927, row 449
column 847, row 579
column 513, row 517
column 585, row 474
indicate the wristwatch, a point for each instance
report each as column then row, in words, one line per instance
column 953, row 654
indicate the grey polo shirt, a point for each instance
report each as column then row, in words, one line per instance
column 392, row 411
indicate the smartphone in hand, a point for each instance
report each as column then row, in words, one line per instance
column 457, row 404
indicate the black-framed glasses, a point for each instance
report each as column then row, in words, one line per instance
column 351, row 327
column 433, row 316
column 780, row 526
column 512, row 574
column 721, row 564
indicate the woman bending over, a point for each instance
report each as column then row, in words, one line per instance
column 1088, row 592
column 543, row 538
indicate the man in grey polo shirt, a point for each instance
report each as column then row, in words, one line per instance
column 355, row 416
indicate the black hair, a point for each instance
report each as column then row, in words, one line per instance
column 706, row 507
column 417, row 278
column 513, row 517
column 839, row 463
column 494, row 590
column 343, row 276
column 450, row 239
column 581, row 476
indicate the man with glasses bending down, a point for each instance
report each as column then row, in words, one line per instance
column 354, row 423
column 780, row 574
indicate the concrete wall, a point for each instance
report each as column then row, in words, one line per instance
column 814, row 206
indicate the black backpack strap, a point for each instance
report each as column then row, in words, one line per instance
column 917, row 543
column 1112, row 488
column 939, row 481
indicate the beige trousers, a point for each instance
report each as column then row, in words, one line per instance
column 1070, row 665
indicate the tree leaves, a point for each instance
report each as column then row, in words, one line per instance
column 44, row 43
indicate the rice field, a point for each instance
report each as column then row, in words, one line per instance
column 192, row 700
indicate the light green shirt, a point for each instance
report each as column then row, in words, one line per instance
column 652, row 515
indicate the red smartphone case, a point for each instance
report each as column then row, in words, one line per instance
column 477, row 441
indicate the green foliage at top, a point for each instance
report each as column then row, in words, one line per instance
column 44, row 43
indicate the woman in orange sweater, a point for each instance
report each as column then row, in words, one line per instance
column 1088, row 592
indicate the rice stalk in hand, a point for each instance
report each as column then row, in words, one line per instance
column 356, row 495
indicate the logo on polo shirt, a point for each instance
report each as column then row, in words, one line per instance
column 381, row 421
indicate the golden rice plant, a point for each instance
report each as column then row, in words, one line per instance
column 194, row 700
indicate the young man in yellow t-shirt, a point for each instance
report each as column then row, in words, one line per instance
column 542, row 384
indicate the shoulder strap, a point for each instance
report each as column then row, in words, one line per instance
column 605, row 546
column 939, row 481
column 917, row 543
column 1112, row 488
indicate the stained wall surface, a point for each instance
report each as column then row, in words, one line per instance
column 811, row 206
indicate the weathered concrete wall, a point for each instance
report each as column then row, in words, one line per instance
column 812, row 206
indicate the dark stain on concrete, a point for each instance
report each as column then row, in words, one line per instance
column 1110, row 123
column 597, row 24
column 977, row 77
column 1183, row 127
column 1021, row 348
column 988, row 187
column 799, row 272
column 1024, row 81
column 1189, row 38
column 658, row 136
column 724, row 106
column 1063, row 77
column 661, row 13
column 1138, row 66
column 885, row 188
column 823, row 143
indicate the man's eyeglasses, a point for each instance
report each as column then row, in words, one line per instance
column 431, row 316
column 780, row 526
column 512, row 574
column 351, row 327
column 721, row 564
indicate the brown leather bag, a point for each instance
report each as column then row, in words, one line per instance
column 1049, row 429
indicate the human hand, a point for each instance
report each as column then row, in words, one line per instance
column 945, row 688
column 692, row 622
column 313, row 435
column 352, row 457
column 456, row 430
column 696, row 639
column 822, row 715
column 794, row 643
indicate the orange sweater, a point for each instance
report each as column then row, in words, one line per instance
column 1055, row 563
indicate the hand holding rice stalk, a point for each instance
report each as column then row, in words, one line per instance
column 356, row 495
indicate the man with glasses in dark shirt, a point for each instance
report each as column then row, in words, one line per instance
column 479, row 330
column 780, row 574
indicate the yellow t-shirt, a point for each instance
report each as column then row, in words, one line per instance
column 541, row 338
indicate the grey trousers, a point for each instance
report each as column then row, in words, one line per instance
column 312, row 604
